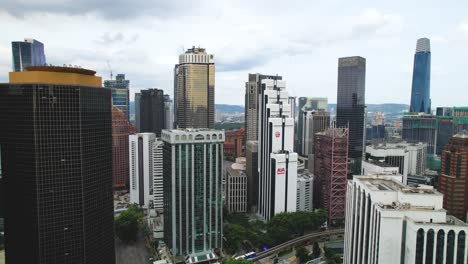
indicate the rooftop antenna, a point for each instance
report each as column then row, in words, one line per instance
column 110, row 69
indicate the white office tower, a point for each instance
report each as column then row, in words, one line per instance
column 313, row 122
column 372, row 167
column 408, row 157
column 388, row 222
column 146, row 184
column 305, row 186
column 277, row 161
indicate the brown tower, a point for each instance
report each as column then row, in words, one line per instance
column 453, row 180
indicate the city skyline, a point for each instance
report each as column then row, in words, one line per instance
column 383, row 33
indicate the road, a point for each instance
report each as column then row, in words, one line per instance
column 290, row 243
column 134, row 253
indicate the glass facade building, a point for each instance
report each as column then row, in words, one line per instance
column 192, row 184
column 29, row 52
column 60, row 207
column 194, row 90
column 151, row 114
column 421, row 86
column 120, row 93
column 350, row 108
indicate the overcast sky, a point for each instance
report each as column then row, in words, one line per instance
column 300, row 40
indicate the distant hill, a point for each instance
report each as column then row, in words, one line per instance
column 218, row 107
column 386, row 108
column 229, row 108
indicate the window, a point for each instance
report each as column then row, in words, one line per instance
column 430, row 246
column 440, row 246
column 419, row 246
column 450, row 246
column 461, row 247
column 448, row 157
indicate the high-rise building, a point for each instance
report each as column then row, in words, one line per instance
column 377, row 129
column 56, row 143
column 194, row 89
column 313, row 122
column 409, row 158
column 421, row 86
column 350, row 107
column 151, row 115
column 420, row 128
column 460, row 119
column 251, row 156
column 29, row 52
column 120, row 93
column 168, row 112
column 193, row 206
column 445, row 128
column 307, row 104
column 331, row 170
column 137, row 112
column 453, row 179
column 120, row 132
column 146, row 171
column 389, row 222
column 236, row 190
column 253, row 89
column 277, row 161
column 305, row 192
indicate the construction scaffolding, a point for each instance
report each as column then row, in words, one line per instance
column 331, row 169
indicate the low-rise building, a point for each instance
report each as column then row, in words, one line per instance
column 305, row 191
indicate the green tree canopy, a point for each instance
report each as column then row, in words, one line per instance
column 127, row 224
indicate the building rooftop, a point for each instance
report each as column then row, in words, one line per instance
column 380, row 163
column 386, row 183
column 423, row 45
column 64, row 69
column 462, row 134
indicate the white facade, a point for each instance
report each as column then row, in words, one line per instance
column 236, row 190
column 145, row 163
column 196, row 55
column 370, row 167
column 277, row 161
column 313, row 122
column 168, row 114
column 410, row 158
column 305, row 187
column 384, row 217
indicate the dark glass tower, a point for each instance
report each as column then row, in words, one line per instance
column 350, row 108
column 421, row 87
column 56, row 144
column 152, row 118
column 29, row 52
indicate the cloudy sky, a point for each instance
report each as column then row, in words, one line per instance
column 300, row 40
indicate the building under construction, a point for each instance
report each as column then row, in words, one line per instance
column 330, row 170
column 420, row 127
column 460, row 119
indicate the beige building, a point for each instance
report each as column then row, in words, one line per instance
column 194, row 89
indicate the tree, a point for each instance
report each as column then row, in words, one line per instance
column 302, row 254
column 236, row 261
column 127, row 224
column 234, row 234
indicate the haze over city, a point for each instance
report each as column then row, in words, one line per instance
column 300, row 40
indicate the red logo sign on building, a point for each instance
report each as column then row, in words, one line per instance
column 277, row 134
column 281, row 171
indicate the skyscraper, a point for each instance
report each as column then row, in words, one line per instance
column 151, row 114
column 29, row 52
column 120, row 132
column 460, row 119
column 388, row 222
column 312, row 122
column 193, row 206
column 307, row 104
column 453, row 180
column 350, row 107
column 253, row 88
column 445, row 127
column 146, row 181
column 120, row 93
column 421, row 86
column 420, row 127
column 277, row 160
column 168, row 112
column 137, row 112
column 330, row 171
column 56, row 143
column 194, row 89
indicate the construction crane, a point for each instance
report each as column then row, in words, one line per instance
column 110, row 69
